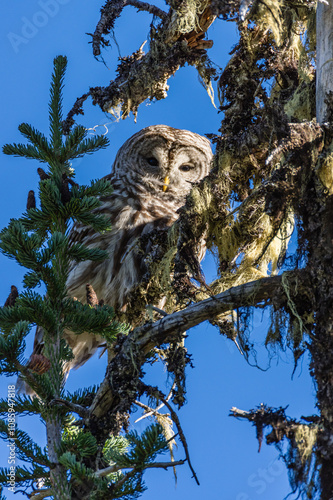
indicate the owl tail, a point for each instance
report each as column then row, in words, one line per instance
column 37, row 363
column 83, row 347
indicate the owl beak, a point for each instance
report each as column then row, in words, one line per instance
column 166, row 183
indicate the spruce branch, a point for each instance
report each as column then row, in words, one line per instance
column 76, row 144
column 72, row 141
column 36, row 138
column 55, row 106
column 80, row 252
column 82, row 396
column 30, row 307
column 27, row 450
column 23, row 474
column 39, row 241
column 89, row 146
column 26, row 151
column 12, row 346
column 98, row 187
column 23, row 405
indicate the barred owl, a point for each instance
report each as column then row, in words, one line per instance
column 153, row 172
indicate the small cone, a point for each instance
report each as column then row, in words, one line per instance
column 10, row 301
column 42, row 174
column 39, row 364
column 31, row 202
column 92, row 299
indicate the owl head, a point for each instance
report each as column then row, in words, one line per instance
column 164, row 160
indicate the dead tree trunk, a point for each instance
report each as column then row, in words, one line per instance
column 320, row 236
column 324, row 57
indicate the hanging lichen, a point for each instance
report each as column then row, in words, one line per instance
column 185, row 18
column 305, row 439
column 325, row 170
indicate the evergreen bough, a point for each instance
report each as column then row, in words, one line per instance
column 70, row 466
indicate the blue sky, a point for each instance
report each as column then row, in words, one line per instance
column 224, row 451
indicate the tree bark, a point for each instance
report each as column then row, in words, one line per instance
column 321, row 261
column 60, row 486
column 321, row 347
column 324, row 57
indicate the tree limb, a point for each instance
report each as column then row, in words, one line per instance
column 154, row 465
column 80, row 410
column 151, row 390
column 40, row 494
column 141, row 76
column 152, row 9
column 152, row 411
column 150, row 335
column 282, row 426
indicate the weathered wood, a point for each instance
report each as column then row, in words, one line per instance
column 321, row 264
column 168, row 328
column 324, row 57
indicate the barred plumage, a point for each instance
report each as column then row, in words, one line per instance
column 153, row 172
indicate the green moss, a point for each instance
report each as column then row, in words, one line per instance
column 302, row 105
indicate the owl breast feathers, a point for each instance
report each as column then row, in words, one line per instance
column 153, row 172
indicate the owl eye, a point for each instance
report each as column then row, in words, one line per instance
column 152, row 161
column 186, row 168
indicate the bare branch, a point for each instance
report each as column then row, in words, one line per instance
column 175, row 419
column 248, row 294
column 80, row 410
column 154, row 465
column 109, row 13
column 152, row 9
column 281, row 425
column 236, row 412
column 40, row 494
column 152, row 411
column 158, row 310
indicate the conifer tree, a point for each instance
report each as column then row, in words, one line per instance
column 75, row 463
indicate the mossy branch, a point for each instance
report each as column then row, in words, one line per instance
column 177, row 41
column 169, row 327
